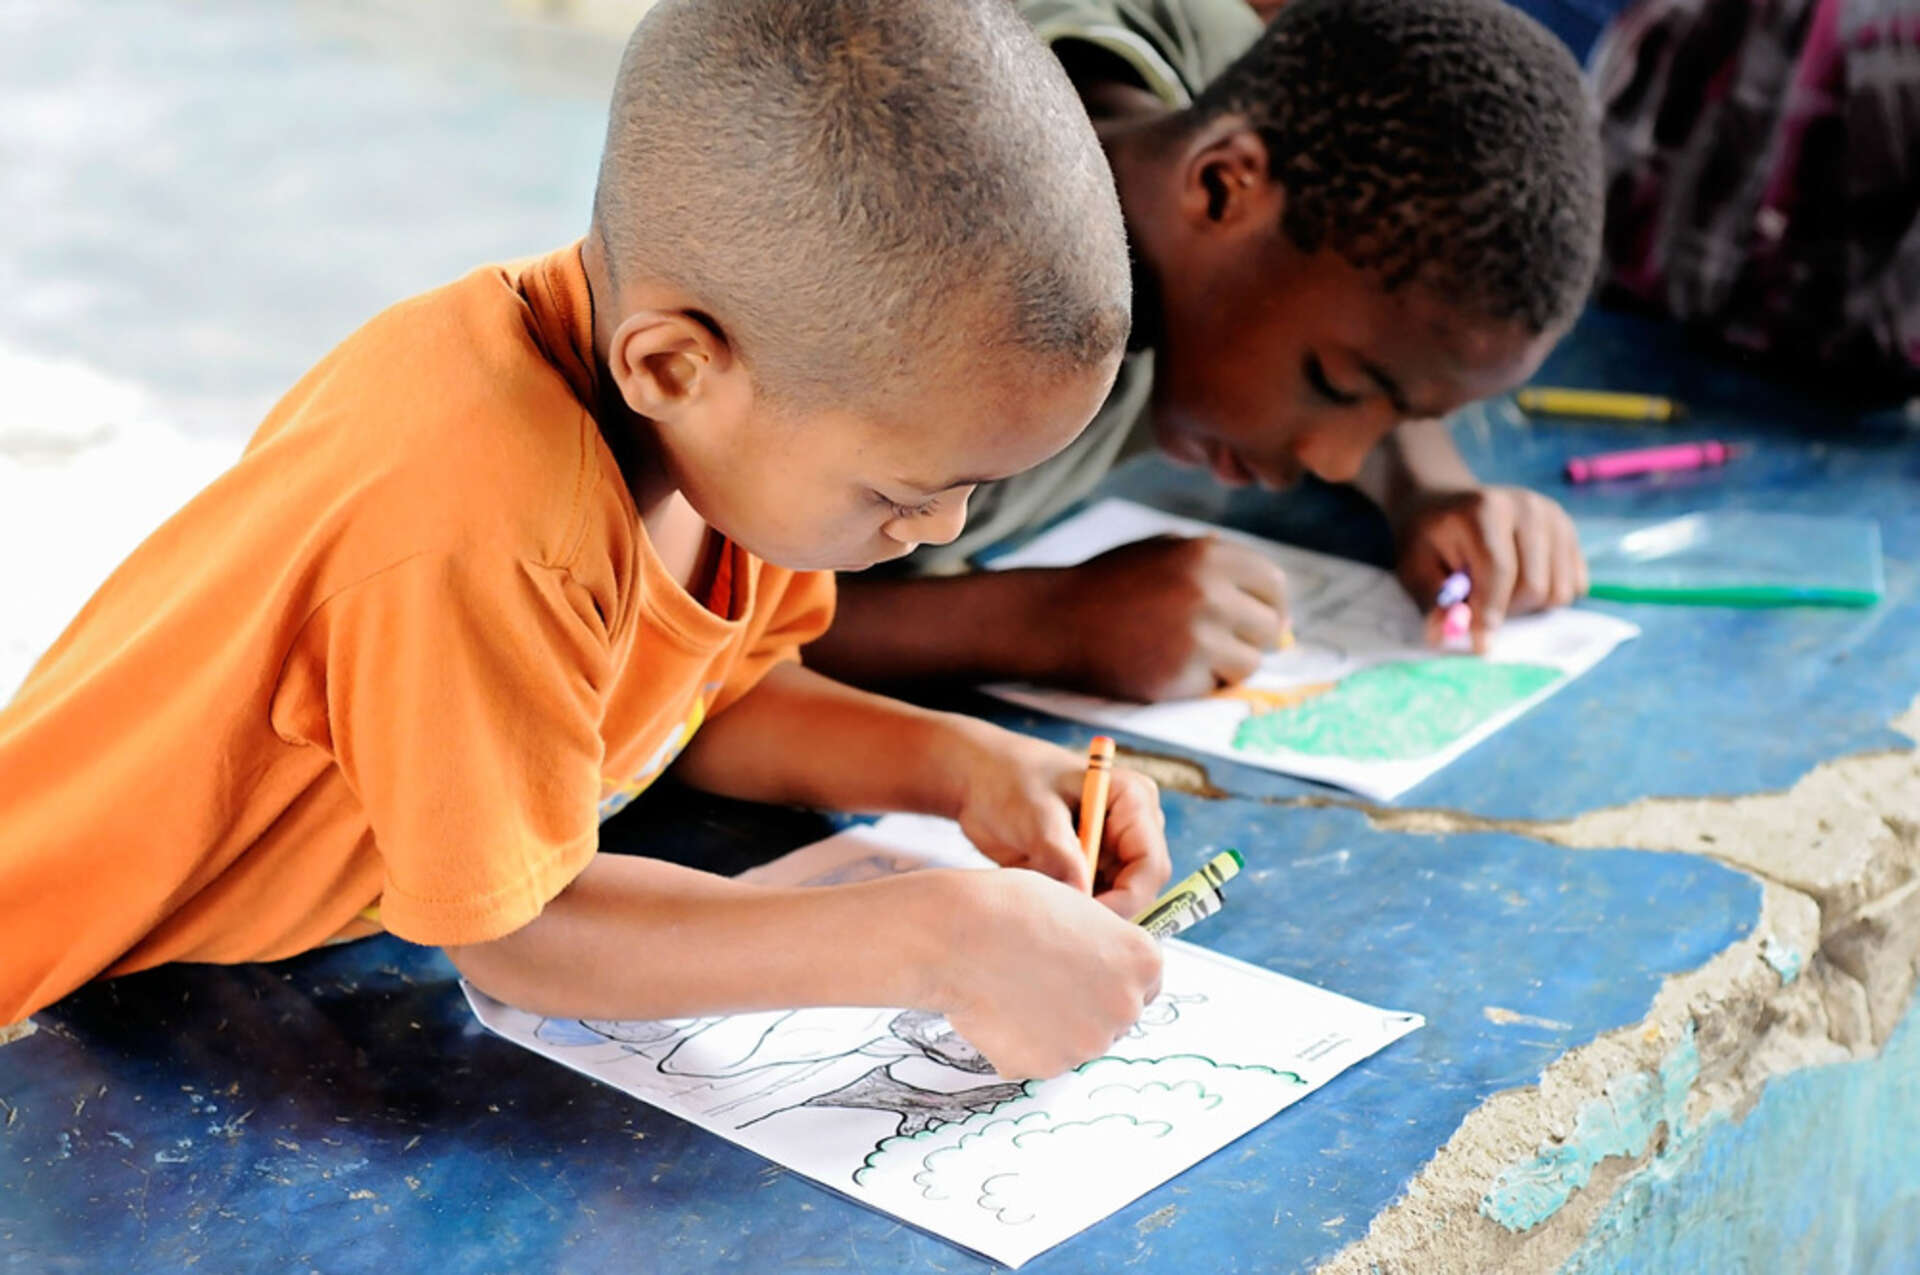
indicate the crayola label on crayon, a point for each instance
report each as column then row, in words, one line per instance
column 1182, row 913
column 1215, row 873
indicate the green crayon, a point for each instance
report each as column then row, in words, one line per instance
column 1192, row 910
column 1194, row 899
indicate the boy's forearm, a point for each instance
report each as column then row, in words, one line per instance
column 800, row 738
column 637, row 938
column 982, row 626
column 1416, row 460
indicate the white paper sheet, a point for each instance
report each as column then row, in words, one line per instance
column 1397, row 711
column 892, row 1109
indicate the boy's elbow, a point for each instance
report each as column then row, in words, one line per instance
column 504, row 968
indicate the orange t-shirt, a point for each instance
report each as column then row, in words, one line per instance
column 407, row 652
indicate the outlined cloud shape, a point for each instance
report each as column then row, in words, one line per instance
column 1111, row 1120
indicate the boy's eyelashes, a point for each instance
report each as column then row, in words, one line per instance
column 900, row 510
column 1316, row 374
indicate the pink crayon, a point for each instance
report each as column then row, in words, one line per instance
column 1456, row 616
column 1648, row 460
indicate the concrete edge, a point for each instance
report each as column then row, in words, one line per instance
column 1824, row 977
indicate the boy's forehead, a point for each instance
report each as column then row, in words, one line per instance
column 984, row 418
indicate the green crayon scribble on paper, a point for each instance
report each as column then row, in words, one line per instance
column 1399, row 711
column 1032, row 1156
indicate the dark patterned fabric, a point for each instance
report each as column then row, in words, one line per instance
column 1763, row 164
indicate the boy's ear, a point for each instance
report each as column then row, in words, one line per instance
column 1226, row 183
column 663, row 360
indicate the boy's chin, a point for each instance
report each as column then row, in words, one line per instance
column 874, row 560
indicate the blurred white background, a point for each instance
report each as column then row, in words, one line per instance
column 198, row 198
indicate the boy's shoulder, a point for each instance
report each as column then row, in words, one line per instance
column 1176, row 47
column 457, row 415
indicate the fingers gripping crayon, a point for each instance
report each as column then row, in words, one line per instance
column 1093, row 802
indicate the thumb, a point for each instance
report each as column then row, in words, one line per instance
column 1058, row 852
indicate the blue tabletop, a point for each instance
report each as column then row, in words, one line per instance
column 343, row 1111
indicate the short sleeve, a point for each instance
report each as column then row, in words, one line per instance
column 791, row 609
column 461, row 699
column 1176, row 47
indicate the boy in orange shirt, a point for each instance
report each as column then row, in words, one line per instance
column 521, row 542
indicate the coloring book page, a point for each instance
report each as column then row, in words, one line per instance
column 1359, row 700
column 893, row 1109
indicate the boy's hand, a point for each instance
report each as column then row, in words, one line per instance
column 1020, row 804
column 1168, row 618
column 1518, row 546
column 1038, row 977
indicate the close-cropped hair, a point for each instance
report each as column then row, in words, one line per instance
column 845, row 184
column 1449, row 142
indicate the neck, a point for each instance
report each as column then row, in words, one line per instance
column 629, row 436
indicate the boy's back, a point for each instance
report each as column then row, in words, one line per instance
column 429, row 545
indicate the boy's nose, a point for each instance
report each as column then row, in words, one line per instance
column 1336, row 455
column 944, row 524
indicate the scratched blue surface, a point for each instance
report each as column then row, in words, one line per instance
column 342, row 1110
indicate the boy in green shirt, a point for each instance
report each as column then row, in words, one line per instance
column 1345, row 226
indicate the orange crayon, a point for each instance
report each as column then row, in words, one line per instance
column 1093, row 801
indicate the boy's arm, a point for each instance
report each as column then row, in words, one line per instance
column 800, row 738
column 978, row 627
column 1039, row 977
column 1519, row 547
column 1038, row 974
column 1170, row 617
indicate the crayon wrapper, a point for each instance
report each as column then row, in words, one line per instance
column 1175, row 915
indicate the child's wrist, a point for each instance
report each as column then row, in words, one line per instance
column 1417, row 497
column 931, row 910
column 955, row 751
column 1040, row 630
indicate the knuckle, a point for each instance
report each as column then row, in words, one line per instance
column 1167, row 676
column 1192, row 683
column 1142, row 958
column 1239, row 664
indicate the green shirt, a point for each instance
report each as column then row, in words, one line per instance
column 1176, row 47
